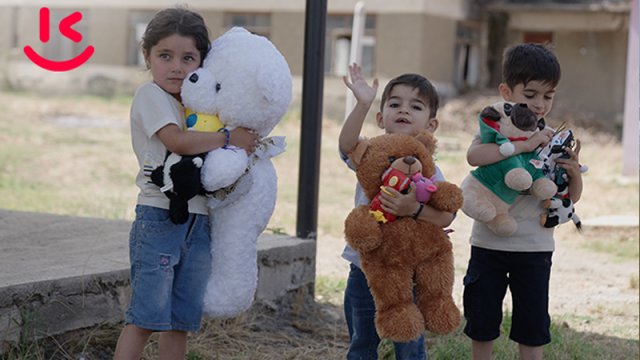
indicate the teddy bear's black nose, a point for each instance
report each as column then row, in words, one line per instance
column 193, row 78
column 409, row 160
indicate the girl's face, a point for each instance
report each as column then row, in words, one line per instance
column 170, row 60
column 405, row 112
column 536, row 94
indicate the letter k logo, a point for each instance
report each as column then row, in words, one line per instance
column 66, row 30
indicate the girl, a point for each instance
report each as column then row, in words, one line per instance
column 170, row 263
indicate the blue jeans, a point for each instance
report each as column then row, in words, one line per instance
column 359, row 309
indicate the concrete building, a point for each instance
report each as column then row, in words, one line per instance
column 456, row 43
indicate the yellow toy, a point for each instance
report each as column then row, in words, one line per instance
column 201, row 121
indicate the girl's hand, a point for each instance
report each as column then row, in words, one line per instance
column 572, row 164
column 363, row 92
column 399, row 204
column 244, row 138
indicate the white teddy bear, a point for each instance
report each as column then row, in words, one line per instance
column 246, row 82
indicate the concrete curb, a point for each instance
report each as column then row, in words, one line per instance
column 77, row 295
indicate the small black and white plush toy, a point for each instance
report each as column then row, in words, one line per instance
column 560, row 208
column 179, row 180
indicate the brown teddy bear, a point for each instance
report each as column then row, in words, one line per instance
column 396, row 254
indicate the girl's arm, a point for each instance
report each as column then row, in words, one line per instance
column 196, row 142
column 365, row 95
column 480, row 154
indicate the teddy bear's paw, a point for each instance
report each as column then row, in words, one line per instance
column 503, row 225
column 448, row 197
column 401, row 323
column 222, row 167
column 518, row 179
column 364, row 243
column 482, row 211
column 443, row 319
column 361, row 231
column 543, row 188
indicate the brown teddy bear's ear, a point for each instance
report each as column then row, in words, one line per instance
column 358, row 152
column 428, row 140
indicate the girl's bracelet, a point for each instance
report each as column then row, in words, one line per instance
column 227, row 137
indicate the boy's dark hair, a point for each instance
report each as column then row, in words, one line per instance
column 426, row 90
column 529, row 62
column 177, row 20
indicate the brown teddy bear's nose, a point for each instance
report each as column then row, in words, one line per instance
column 409, row 160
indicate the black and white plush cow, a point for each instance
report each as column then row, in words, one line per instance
column 558, row 212
column 560, row 208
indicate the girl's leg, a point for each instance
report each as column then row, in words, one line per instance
column 172, row 345
column 131, row 343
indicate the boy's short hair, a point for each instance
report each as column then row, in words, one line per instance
column 426, row 90
column 529, row 62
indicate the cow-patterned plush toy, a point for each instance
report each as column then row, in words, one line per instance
column 490, row 190
column 560, row 208
column 396, row 254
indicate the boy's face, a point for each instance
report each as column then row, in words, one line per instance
column 536, row 94
column 405, row 112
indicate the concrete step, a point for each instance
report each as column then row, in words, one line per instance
column 62, row 273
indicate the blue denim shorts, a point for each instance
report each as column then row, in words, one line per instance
column 170, row 266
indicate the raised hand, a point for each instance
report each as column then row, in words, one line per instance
column 363, row 92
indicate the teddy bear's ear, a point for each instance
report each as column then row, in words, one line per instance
column 428, row 140
column 358, row 152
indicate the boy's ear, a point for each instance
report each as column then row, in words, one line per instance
column 379, row 120
column 505, row 91
column 358, row 152
column 432, row 125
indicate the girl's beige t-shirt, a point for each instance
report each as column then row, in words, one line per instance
column 152, row 109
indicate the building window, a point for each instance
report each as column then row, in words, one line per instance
column 538, row 37
column 259, row 24
column 138, row 21
column 338, row 45
column 60, row 47
column 467, row 55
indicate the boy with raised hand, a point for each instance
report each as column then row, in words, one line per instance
column 409, row 104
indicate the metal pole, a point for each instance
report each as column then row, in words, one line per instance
column 631, row 102
column 311, row 126
column 355, row 53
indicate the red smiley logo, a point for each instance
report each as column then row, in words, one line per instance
column 67, row 31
